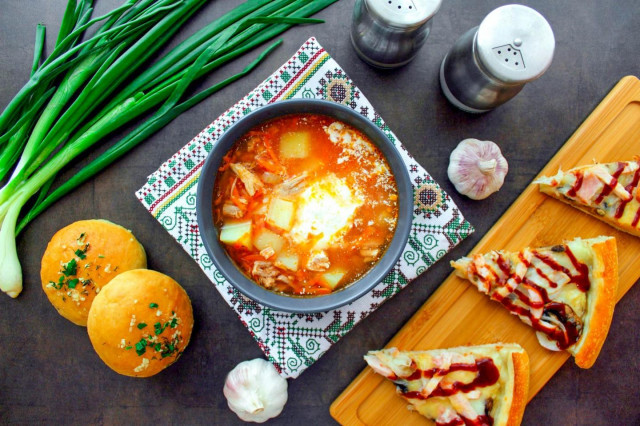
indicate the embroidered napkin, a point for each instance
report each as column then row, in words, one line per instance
column 292, row 342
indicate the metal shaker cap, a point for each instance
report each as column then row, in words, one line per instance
column 515, row 44
column 403, row 13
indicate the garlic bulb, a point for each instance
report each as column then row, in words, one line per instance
column 477, row 168
column 255, row 391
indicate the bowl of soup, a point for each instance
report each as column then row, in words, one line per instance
column 304, row 205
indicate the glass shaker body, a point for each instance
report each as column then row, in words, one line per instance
column 466, row 82
column 491, row 63
column 389, row 34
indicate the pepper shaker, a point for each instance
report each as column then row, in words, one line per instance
column 389, row 33
column 491, row 63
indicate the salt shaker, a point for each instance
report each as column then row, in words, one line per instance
column 491, row 63
column 389, row 33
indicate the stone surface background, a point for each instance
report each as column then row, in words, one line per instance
column 50, row 374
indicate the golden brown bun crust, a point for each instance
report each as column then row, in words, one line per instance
column 520, row 387
column 139, row 317
column 602, row 300
column 549, row 190
column 111, row 250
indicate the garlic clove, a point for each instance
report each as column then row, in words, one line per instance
column 477, row 168
column 255, row 391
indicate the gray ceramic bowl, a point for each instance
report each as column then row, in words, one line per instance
column 227, row 267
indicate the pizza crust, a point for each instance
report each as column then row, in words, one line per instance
column 601, row 303
column 520, row 397
column 516, row 392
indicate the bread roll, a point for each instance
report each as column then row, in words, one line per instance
column 140, row 323
column 81, row 259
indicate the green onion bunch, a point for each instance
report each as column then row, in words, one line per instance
column 91, row 85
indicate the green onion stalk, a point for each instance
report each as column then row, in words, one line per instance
column 85, row 90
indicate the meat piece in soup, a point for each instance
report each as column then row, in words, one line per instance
column 305, row 204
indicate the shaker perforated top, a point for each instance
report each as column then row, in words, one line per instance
column 403, row 13
column 515, row 43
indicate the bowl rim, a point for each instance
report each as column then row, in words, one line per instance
column 301, row 304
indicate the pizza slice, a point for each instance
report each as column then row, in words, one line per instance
column 607, row 191
column 565, row 292
column 466, row 385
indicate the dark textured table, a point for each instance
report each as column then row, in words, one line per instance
column 50, row 374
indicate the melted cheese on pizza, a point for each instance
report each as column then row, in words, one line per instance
column 611, row 189
column 547, row 288
column 454, row 386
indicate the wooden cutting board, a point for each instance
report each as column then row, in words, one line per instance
column 457, row 314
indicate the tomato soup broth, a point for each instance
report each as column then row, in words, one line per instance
column 305, row 204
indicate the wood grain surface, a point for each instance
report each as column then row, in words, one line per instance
column 457, row 314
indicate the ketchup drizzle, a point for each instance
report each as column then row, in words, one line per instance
column 504, row 265
column 581, row 280
column 483, row 420
column 538, row 270
column 609, row 187
column 563, row 337
column 415, row 375
column 629, row 188
column 527, row 300
column 546, row 277
column 576, row 185
column 487, row 374
column 636, row 218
